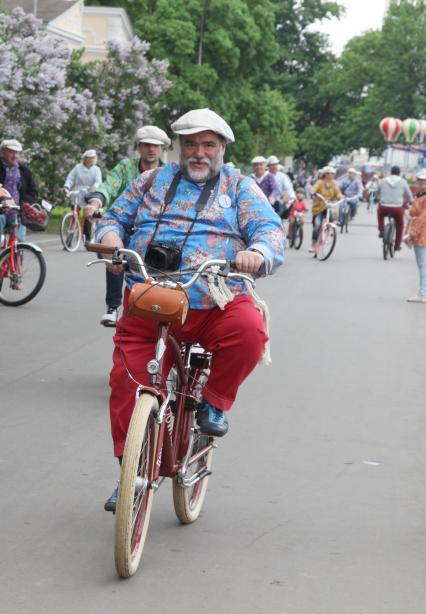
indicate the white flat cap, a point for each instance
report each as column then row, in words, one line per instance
column 199, row 120
column 12, row 144
column 422, row 175
column 328, row 169
column 89, row 153
column 272, row 160
column 352, row 170
column 258, row 160
column 152, row 135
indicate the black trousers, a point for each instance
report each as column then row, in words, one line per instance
column 114, row 289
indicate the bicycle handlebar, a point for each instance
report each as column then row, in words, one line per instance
column 4, row 207
column 327, row 202
column 222, row 264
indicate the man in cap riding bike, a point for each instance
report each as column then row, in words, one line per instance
column 235, row 223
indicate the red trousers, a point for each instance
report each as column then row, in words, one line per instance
column 395, row 212
column 236, row 338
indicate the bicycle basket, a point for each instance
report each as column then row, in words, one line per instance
column 149, row 300
column 35, row 217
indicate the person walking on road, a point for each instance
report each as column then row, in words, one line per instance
column 392, row 192
column 150, row 142
column 417, row 236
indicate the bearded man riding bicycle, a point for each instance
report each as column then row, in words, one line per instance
column 198, row 209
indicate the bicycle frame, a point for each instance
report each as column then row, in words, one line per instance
column 326, row 222
column 10, row 241
column 172, row 437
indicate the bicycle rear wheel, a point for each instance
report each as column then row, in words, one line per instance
column 20, row 284
column 392, row 241
column 346, row 218
column 188, row 500
column 298, row 236
column 327, row 241
column 70, row 232
column 135, row 490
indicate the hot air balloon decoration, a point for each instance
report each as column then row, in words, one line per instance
column 422, row 130
column 410, row 128
column 390, row 127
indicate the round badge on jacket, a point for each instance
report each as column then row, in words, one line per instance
column 225, row 201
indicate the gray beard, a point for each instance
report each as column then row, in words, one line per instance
column 201, row 176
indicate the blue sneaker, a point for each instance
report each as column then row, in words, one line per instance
column 110, row 504
column 212, row 421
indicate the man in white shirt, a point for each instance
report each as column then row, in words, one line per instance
column 284, row 183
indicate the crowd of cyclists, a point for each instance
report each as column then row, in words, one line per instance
column 148, row 206
column 287, row 194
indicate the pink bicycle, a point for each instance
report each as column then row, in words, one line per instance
column 327, row 235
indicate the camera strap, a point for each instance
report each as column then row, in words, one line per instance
column 208, row 188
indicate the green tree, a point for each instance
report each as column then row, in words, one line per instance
column 218, row 51
column 381, row 73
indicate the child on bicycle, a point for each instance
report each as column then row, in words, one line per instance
column 328, row 188
column 299, row 205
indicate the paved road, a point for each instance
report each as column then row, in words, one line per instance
column 317, row 503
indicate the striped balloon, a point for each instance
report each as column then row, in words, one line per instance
column 422, row 130
column 410, row 127
column 390, row 127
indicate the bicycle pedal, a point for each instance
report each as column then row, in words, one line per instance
column 191, row 404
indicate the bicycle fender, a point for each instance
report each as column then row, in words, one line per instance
column 33, row 245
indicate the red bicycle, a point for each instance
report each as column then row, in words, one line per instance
column 22, row 266
column 163, row 439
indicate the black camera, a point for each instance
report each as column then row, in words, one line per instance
column 163, row 257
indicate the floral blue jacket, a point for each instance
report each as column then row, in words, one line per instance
column 237, row 216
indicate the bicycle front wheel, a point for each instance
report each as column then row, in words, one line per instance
column 188, row 500
column 21, row 275
column 70, row 231
column 326, row 243
column 298, row 236
column 135, row 490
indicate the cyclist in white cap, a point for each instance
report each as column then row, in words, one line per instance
column 17, row 179
column 84, row 177
column 284, row 183
column 265, row 180
column 150, row 142
column 352, row 188
column 182, row 215
column 328, row 188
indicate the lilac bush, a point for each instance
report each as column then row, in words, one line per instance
column 58, row 107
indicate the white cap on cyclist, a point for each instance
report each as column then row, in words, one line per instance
column 272, row 160
column 422, row 175
column 12, row 144
column 200, row 120
column 89, row 153
column 152, row 135
column 328, row 169
column 258, row 160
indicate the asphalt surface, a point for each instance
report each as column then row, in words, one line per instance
column 317, row 500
